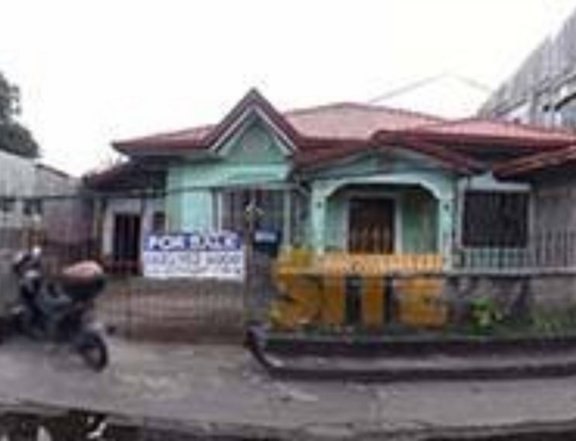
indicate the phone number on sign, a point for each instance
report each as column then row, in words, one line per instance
column 194, row 264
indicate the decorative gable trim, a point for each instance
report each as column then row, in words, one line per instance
column 253, row 104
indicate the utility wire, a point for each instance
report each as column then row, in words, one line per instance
column 429, row 80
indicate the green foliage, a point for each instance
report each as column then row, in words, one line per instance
column 555, row 322
column 14, row 138
column 485, row 314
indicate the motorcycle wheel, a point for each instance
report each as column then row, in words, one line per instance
column 93, row 351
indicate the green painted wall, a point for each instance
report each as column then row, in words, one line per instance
column 335, row 232
column 419, row 222
column 174, row 198
column 253, row 154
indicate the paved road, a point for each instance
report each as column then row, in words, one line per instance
column 222, row 387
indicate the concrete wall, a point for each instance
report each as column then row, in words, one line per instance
column 554, row 204
column 526, row 297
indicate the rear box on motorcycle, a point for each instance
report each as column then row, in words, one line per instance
column 83, row 289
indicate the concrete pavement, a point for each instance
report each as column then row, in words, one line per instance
column 221, row 390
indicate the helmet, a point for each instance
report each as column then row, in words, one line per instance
column 25, row 261
column 21, row 258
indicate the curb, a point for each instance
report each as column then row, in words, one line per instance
column 277, row 357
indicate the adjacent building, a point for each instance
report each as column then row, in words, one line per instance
column 543, row 89
column 40, row 203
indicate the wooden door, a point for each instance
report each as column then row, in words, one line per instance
column 371, row 225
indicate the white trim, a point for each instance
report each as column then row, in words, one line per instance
column 287, row 147
column 376, row 194
column 287, row 218
column 439, row 192
column 487, row 182
column 217, row 204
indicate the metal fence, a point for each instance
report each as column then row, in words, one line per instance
column 70, row 227
column 542, row 250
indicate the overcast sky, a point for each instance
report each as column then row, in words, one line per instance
column 92, row 71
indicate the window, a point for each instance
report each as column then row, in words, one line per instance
column 32, row 207
column 495, row 219
column 7, row 204
column 567, row 111
column 267, row 206
column 158, row 222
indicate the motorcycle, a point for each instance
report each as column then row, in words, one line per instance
column 60, row 310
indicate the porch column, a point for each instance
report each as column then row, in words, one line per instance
column 287, row 217
column 321, row 191
column 446, row 229
column 318, row 217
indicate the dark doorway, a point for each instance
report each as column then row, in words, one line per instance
column 371, row 225
column 126, row 243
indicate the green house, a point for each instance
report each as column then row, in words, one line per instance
column 344, row 178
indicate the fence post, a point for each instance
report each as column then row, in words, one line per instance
column 353, row 300
column 249, row 226
column 390, row 301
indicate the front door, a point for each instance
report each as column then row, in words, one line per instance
column 126, row 242
column 371, row 225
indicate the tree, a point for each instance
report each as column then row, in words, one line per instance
column 14, row 137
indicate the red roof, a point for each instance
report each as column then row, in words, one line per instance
column 536, row 162
column 187, row 137
column 325, row 133
column 338, row 121
column 474, row 130
column 354, row 121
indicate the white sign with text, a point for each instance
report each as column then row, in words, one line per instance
column 213, row 255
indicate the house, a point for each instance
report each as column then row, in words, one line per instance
column 343, row 179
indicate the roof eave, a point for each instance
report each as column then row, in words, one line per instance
column 535, row 163
column 451, row 159
column 500, row 141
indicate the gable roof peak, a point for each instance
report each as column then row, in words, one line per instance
column 253, row 98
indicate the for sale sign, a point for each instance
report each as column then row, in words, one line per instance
column 213, row 255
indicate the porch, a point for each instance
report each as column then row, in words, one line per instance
column 381, row 219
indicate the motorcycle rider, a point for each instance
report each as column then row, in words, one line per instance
column 60, row 308
column 46, row 302
column 27, row 267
